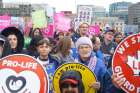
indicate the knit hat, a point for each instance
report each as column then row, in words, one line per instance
column 84, row 41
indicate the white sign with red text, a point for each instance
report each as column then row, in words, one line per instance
column 22, row 74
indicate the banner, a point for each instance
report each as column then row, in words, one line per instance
column 4, row 21
column 49, row 31
column 62, row 23
column 75, row 73
column 22, row 74
column 126, row 63
column 84, row 14
column 94, row 30
column 39, row 19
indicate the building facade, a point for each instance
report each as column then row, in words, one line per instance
column 15, row 9
column 134, row 15
column 120, row 9
column 99, row 11
column 112, row 22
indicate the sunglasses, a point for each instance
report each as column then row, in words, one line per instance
column 67, row 85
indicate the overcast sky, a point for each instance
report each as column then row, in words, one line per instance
column 70, row 5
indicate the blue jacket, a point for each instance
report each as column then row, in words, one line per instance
column 75, row 37
column 108, row 85
column 99, row 70
column 50, row 69
column 99, row 54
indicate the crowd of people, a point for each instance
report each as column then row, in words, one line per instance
column 73, row 46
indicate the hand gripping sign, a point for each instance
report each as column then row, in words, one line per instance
column 77, row 75
column 22, row 74
column 126, row 63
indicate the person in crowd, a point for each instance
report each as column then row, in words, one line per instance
column 32, row 50
column 118, row 38
column 27, row 38
column 64, row 50
column 108, row 46
column 88, row 57
column 4, row 46
column 46, row 60
column 15, row 38
column 82, row 31
column 35, row 32
column 112, row 83
column 71, row 82
column 97, row 47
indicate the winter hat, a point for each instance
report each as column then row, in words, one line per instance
column 84, row 41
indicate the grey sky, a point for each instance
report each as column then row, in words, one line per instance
column 71, row 4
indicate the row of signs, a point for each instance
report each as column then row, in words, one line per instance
column 27, row 75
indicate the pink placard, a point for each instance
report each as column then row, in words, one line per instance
column 94, row 30
column 4, row 21
column 62, row 23
column 49, row 31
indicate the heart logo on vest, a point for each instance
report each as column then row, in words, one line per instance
column 15, row 84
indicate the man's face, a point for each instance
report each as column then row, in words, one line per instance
column 109, row 36
column 84, row 51
column 44, row 49
column 84, row 29
column 70, row 88
column 13, row 41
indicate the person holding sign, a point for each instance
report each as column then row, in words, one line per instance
column 47, row 61
column 71, row 82
column 88, row 58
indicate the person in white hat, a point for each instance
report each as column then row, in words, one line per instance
column 87, row 57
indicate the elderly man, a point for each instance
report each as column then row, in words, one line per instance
column 87, row 57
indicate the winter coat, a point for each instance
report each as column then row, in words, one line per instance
column 99, row 70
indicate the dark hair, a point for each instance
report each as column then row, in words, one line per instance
column 72, row 74
column 31, row 34
column 44, row 41
column 15, row 31
column 93, row 39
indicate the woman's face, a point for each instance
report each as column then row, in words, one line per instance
column 13, row 41
column 36, row 33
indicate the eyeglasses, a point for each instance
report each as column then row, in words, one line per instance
column 67, row 85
